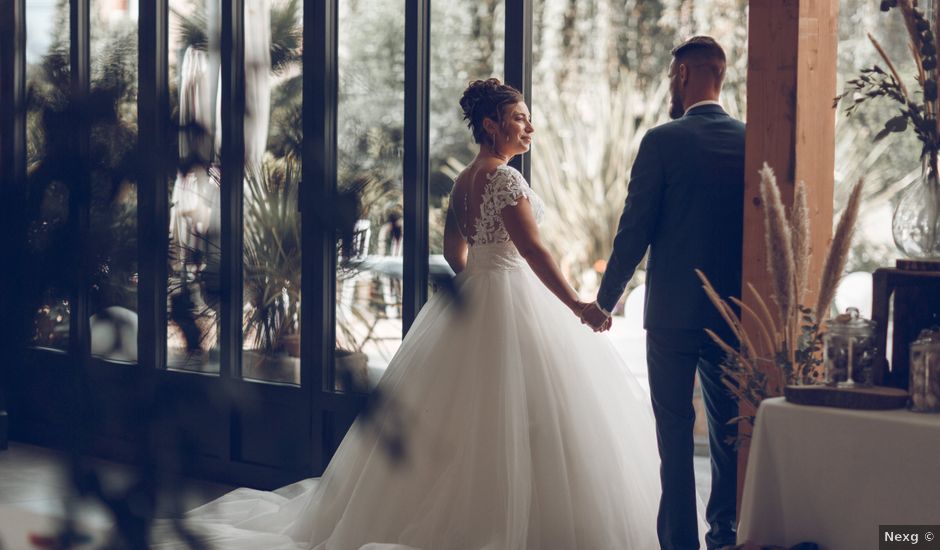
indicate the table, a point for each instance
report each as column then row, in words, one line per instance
column 832, row 476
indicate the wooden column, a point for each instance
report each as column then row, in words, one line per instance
column 791, row 80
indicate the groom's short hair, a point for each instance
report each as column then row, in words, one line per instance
column 702, row 51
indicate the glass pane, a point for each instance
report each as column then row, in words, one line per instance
column 193, row 259
column 49, row 244
column 466, row 44
column 887, row 166
column 273, row 91
column 370, row 126
column 113, row 220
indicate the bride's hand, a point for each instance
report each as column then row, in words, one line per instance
column 593, row 317
column 578, row 308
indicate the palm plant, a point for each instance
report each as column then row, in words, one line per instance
column 286, row 32
column 287, row 42
column 272, row 254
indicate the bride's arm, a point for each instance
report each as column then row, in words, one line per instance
column 524, row 232
column 455, row 246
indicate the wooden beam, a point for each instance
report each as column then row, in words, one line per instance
column 791, row 81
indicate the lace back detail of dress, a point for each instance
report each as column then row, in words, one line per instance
column 503, row 188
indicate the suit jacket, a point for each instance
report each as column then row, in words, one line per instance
column 685, row 203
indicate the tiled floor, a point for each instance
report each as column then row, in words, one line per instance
column 33, row 485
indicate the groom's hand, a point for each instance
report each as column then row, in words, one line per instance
column 595, row 318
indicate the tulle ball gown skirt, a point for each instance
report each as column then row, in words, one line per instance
column 523, row 430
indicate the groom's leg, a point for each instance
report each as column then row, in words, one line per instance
column 672, row 356
column 720, row 407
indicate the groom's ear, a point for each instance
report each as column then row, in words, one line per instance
column 682, row 72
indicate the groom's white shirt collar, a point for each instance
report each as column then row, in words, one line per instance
column 700, row 103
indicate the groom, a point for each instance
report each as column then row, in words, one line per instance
column 685, row 203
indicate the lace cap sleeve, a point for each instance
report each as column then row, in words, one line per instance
column 506, row 187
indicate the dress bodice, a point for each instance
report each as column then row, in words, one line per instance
column 490, row 244
column 503, row 188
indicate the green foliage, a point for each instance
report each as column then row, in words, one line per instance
column 286, row 35
column 272, row 252
column 286, row 31
column 193, row 27
column 875, row 82
column 285, row 136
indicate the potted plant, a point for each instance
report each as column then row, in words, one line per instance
column 272, row 266
column 779, row 339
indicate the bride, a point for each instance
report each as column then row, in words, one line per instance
column 526, row 430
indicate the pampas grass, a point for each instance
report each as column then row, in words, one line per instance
column 838, row 252
column 799, row 228
column 781, row 265
column 788, row 339
column 779, row 242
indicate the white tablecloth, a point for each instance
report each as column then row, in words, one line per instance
column 832, row 476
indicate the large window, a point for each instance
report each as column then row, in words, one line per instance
column 141, row 218
column 271, row 246
column 370, row 121
column 113, row 210
column 48, row 198
column 194, row 255
column 888, row 165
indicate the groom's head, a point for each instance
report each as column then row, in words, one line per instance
column 695, row 74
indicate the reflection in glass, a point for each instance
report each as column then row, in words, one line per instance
column 370, row 126
column 194, row 257
column 113, row 220
column 466, row 44
column 271, row 254
column 51, row 322
column 48, row 243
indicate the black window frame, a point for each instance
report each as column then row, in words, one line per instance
column 329, row 412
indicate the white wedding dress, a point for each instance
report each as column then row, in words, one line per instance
column 525, row 431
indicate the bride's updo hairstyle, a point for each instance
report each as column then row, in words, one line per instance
column 486, row 99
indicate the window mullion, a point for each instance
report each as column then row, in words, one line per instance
column 518, row 70
column 416, row 158
column 232, row 183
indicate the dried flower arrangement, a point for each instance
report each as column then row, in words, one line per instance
column 782, row 347
column 875, row 82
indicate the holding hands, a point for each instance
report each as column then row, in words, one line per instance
column 592, row 316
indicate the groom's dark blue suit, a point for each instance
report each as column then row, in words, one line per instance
column 685, row 204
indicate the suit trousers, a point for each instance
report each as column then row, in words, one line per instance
column 673, row 357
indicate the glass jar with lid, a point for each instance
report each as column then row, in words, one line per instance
column 849, row 350
column 924, row 383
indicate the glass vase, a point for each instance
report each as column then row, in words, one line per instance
column 916, row 221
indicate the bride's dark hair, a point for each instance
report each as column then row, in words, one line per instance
column 486, row 99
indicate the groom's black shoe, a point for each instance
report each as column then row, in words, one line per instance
column 722, row 535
